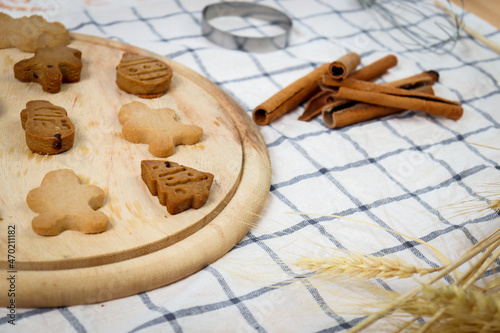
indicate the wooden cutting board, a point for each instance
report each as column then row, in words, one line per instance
column 144, row 247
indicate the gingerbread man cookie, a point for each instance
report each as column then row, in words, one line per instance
column 156, row 127
column 177, row 187
column 51, row 66
column 64, row 203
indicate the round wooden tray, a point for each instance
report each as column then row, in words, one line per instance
column 144, row 247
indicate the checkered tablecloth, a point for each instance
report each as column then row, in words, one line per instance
column 410, row 172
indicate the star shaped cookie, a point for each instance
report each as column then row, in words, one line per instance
column 64, row 203
column 51, row 66
column 156, row 127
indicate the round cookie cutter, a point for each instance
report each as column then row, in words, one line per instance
column 246, row 10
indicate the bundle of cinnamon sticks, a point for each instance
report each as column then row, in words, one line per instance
column 346, row 96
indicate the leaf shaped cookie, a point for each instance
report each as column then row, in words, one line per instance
column 64, row 203
column 156, row 127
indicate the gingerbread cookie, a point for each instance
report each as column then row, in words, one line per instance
column 48, row 128
column 31, row 33
column 143, row 76
column 64, row 203
column 51, row 67
column 177, row 187
column 156, row 127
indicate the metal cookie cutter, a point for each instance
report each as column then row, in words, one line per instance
column 246, row 10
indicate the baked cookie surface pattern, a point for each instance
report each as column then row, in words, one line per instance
column 178, row 187
column 156, row 127
column 48, row 128
column 31, row 33
column 51, row 66
column 64, row 203
column 143, row 76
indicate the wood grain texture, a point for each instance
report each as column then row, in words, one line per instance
column 144, row 247
column 487, row 10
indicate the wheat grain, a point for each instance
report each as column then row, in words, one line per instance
column 363, row 266
column 495, row 205
column 493, row 286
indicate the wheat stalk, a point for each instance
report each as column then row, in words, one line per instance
column 363, row 266
column 492, row 240
column 480, row 266
column 461, row 309
column 493, row 286
column 489, row 43
column 481, row 145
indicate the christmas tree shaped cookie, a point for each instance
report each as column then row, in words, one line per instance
column 177, row 187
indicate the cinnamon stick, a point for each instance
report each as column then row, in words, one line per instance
column 375, row 69
column 368, row 73
column 343, row 66
column 301, row 90
column 316, row 104
column 289, row 97
column 422, row 79
column 427, row 78
column 414, row 82
column 384, row 95
column 336, row 116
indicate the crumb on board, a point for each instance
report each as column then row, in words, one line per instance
column 84, row 149
column 93, row 123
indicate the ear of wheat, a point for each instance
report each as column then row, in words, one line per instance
column 461, row 310
column 461, row 307
column 363, row 266
column 485, row 305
